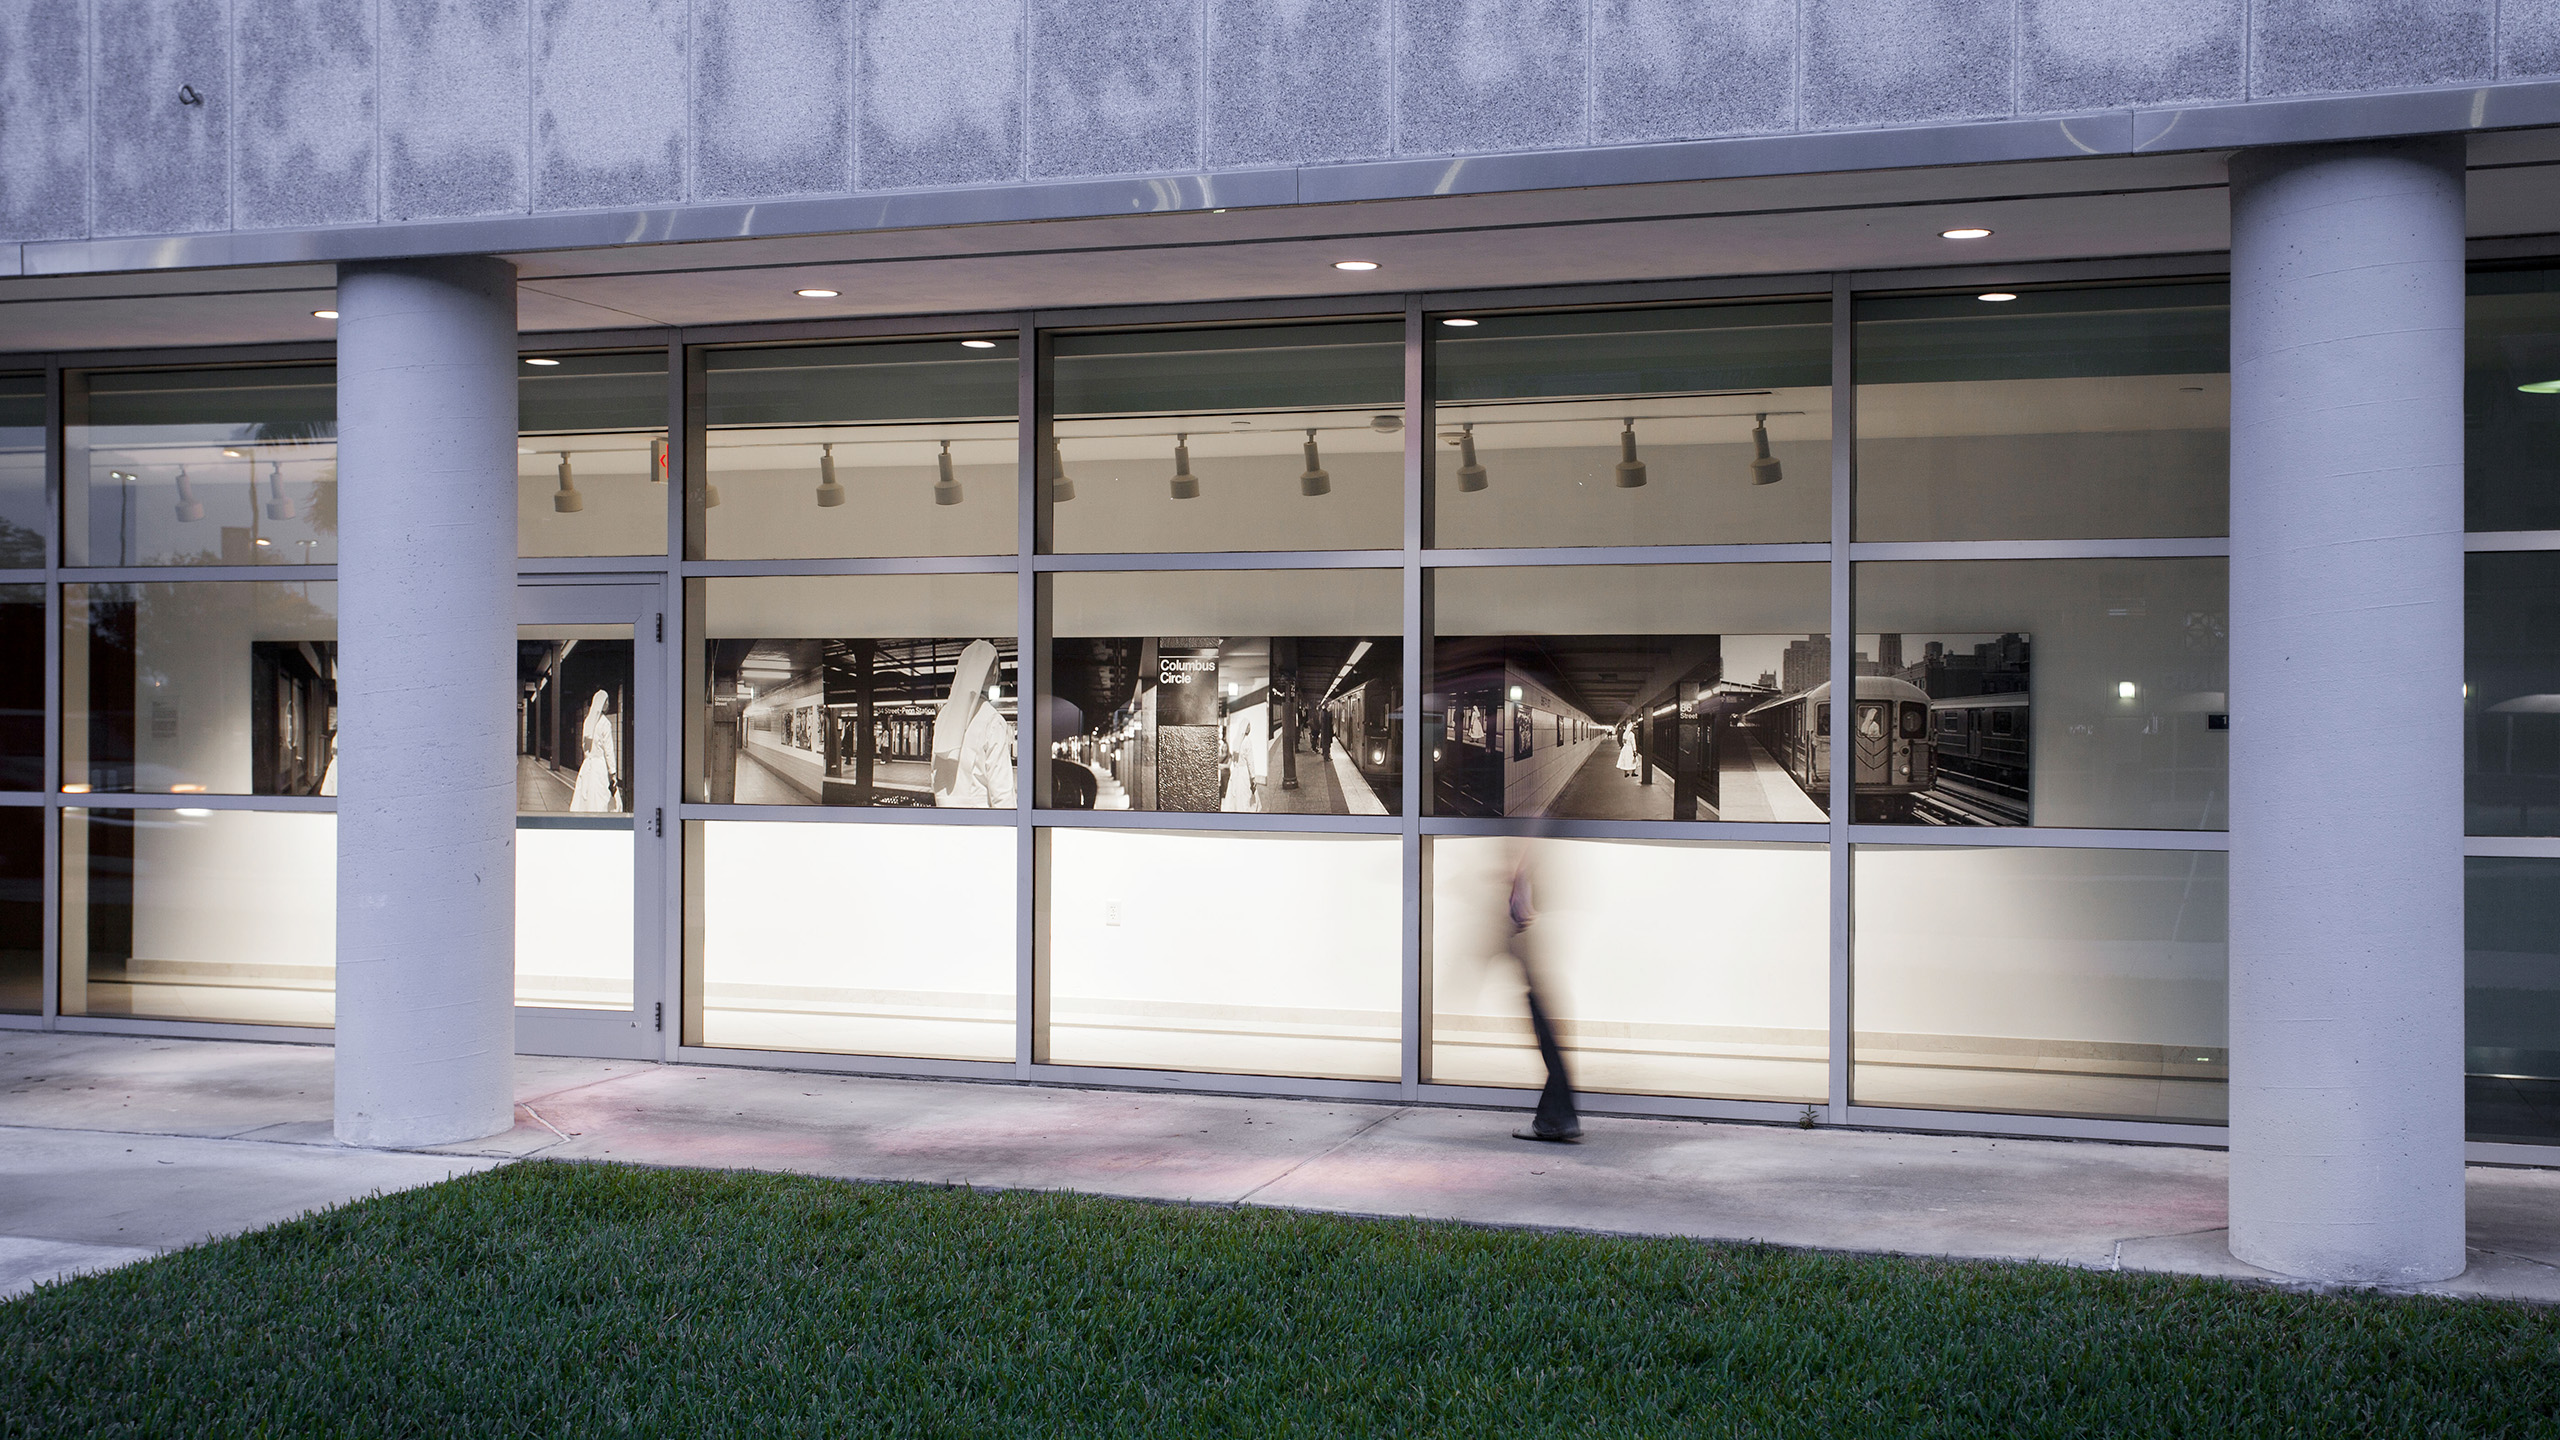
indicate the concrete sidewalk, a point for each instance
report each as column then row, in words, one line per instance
column 112, row 1149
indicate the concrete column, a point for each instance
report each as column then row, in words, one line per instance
column 2346, row 700
column 426, row 700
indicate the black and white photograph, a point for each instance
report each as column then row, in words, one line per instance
column 1240, row 724
column 1975, row 689
column 293, row 717
column 573, row 732
column 1613, row 727
column 905, row 722
column 1939, row 728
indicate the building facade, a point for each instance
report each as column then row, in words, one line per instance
column 1999, row 557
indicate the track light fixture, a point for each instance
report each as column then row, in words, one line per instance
column 830, row 494
column 189, row 507
column 278, row 507
column 946, row 486
column 1061, row 489
column 1315, row 481
column 1471, row 474
column 1764, row 466
column 568, row 501
column 1186, row 486
column 658, row 461
column 1630, row 469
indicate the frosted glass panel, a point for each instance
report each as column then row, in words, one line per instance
column 200, row 915
column 2066, row 982
column 853, row 939
column 1671, row 968
column 573, row 917
column 1250, row 954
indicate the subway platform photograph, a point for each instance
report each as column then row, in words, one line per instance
column 1441, row 717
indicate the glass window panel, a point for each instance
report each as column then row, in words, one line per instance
column 202, row 467
column 840, row 450
column 1706, row 424
column 2086, row 693
column 200, row 915
column 1641, row 692
column 1744, row 1016
column 2059, row 982
column 2511, row 927
column 1151, row 962
column 591, row 454
column 201, row 687
column 22, row 909
column 575, row 861
column 23, row 512
column 1276, row 692
column 855, row 690
column 21, row 687
column 1242, row 438
column 2057, row 414
column 2511, row 401
column 2511, row 694
column 928, row 970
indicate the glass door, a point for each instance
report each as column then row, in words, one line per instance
column 588, row 821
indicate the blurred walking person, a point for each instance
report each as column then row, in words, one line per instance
column 1555, row 1119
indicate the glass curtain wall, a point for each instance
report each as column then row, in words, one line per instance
column 825, row 713
column 198, row 704
column 2511, row 703
column 1264, row 772
column 1999, row 696
column 24, row 527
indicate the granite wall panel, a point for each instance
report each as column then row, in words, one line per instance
column 44, row 120
column 160, row 165
column 456, row 122
column 941, row 92
column 609, row 102
column 303, row 143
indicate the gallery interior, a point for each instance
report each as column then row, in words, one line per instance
column 1958, row 631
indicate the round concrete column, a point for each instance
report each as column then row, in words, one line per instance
column 426, row 700
column 2346, row 701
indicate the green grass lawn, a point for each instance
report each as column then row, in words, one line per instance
column 581, row 1299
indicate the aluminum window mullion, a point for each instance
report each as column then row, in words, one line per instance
column 50, row 924
column 1844, row 461
column 1031, row 730
column 1416, row 910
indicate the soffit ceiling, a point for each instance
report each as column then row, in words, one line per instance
column 1879, row 220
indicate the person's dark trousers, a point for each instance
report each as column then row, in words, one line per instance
column 1555, row 1103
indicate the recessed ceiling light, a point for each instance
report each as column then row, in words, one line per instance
column 979, row 344
column 1458, row 320
column 814, row 293
column 262, row 542
column 1965, row 232
column 230, row 454
column 1996, row 296
column 1355, row 264
column 324, row 314
column 541, row 360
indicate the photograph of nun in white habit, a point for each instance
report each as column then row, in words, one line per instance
column 599, row 787
column 973, row 743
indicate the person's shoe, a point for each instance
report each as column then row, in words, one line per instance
column 1561, row 1137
